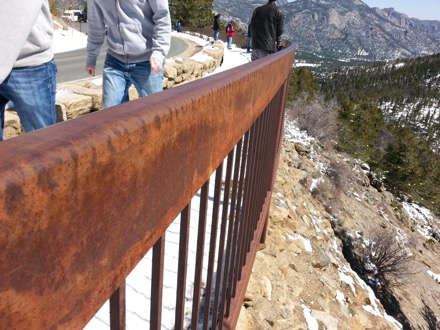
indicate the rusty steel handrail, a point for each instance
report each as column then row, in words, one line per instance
column 81, row 202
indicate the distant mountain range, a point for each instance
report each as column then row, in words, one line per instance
column 347, row 30
column 336, row 30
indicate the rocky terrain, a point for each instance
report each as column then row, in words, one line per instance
column 346, row 30
column 326, row 208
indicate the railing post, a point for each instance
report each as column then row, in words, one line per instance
column 117, row 309
column 157, row 284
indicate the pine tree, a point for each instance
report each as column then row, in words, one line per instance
column 53, row 7
column 360, row 130
column 302, row 84
column 192, row 13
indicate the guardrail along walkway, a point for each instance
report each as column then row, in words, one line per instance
column 83, row 201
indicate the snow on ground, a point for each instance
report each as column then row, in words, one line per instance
column 340, row 297
column 312, row 323
column 67, row 40
column 423, row 219
column 306, row 243
column 232, row 58
column 350, row 277
column 435, row 276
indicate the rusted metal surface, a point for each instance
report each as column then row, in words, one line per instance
column 81, row 202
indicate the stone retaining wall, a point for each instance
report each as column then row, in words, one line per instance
column 80, row 97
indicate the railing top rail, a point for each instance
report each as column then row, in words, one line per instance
column 82, row 201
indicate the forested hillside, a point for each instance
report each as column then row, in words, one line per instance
column 408, row 90
column 388, row 115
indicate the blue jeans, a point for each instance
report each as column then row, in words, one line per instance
column 33, row 91
column 216, row 34
column 229, row 42
column 119, row 76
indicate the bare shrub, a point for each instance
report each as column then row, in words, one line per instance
column 338, row 176
column 385, row 262
column 316, row 118
column 324, row 191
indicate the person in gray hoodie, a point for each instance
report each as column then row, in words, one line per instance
column 27, row 66
column 138, row 37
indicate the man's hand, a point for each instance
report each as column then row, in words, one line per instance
column 90, row 69
column 155, row 64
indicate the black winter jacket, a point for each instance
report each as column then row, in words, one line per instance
column 216, row 26
column 267, row 27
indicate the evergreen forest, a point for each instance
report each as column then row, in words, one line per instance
column 193, row 13
column 386, row 114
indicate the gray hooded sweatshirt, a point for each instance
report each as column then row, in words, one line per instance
column 136, row 29
column 26, row 36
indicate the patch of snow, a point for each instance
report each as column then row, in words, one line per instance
column 301, row 64
column 436, row 277
column 422, row 217
column 315, row 184
column 341, row 298
column 306, row 242
column 373, row 307
column 346, row 279
column 357, row 197
column 68, row 40
column 312, row 323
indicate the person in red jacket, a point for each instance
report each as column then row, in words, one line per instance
column 230, row 32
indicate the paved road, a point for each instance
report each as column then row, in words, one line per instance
column 71, row 64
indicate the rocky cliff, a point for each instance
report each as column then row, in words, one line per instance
column 326, row 210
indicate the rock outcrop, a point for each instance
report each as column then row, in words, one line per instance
column 323, row 207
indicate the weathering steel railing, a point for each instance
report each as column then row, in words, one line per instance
column 83, row 201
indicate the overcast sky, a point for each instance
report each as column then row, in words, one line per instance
column 421, row 9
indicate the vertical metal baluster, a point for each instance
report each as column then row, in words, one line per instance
column 117, row 308
column 199, row 255
column 213, row 245
column 157, row 284
column 182, row 268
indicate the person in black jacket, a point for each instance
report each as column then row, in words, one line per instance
column 266, row 29
column 216, row 26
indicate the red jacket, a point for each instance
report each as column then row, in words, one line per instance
column 230, row 30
